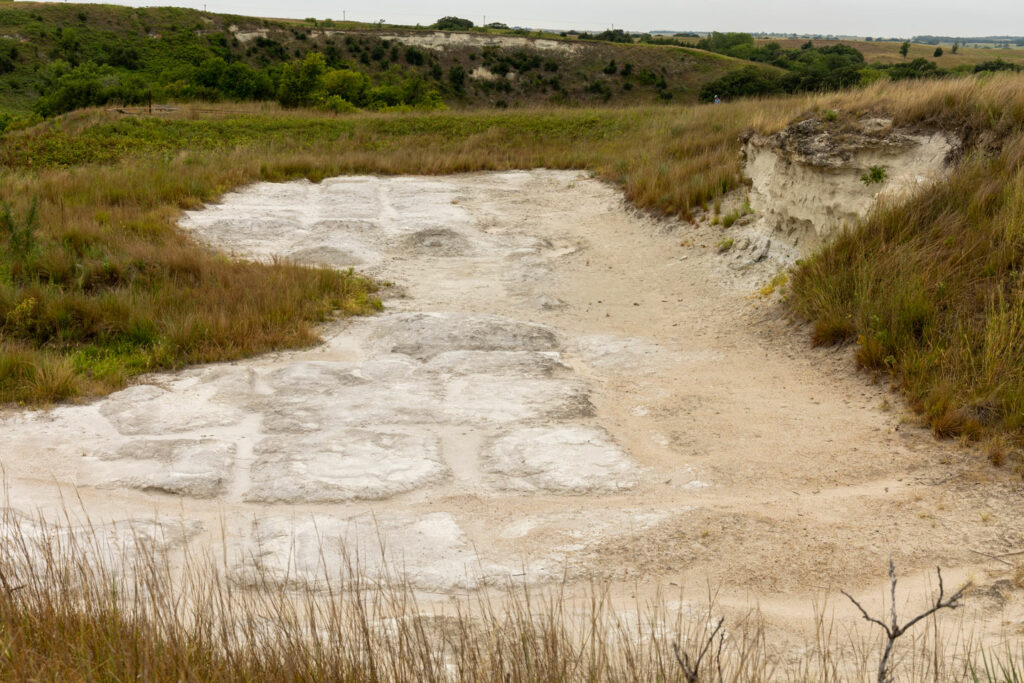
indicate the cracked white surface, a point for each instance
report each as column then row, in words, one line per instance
column 430, row 401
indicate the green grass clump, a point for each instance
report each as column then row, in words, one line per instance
column 875, row 175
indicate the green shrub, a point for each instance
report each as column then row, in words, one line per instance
column 457, row 77
column 875, row 174
column 746, row 82
column 21, row 244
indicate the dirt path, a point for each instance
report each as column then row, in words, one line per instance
column 557, row 384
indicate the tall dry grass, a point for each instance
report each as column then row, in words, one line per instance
column 931, row 287
column 88, row 602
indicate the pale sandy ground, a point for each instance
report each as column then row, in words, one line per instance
column 595, row 393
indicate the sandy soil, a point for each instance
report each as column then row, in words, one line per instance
column 558, row 385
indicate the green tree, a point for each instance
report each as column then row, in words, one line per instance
column 300, row 80
column 453, row 24
column 347, row 84
column 938, row 52
column 956, row 47
column 905, row 48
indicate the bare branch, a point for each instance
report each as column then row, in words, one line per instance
column 864, row 612
column 895, row 631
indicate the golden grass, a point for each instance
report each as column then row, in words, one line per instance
column 77, row 605
column 931, row 286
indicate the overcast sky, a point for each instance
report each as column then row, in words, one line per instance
column 853, row 17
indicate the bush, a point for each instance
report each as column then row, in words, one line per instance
column 84, row 86
column 346, row 84
column 414, row 56
column 339, row 105
column 917, row 68
column 749, row 81
column 457, row 77
column 995, row 65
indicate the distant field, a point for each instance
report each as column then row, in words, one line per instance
column 889, row 52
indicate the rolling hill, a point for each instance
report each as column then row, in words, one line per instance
column 81, row 55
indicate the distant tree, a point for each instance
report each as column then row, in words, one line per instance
column 938, row 52
column 905, row 48
column 956, row 46
column 453, row 24
column 807, row 46
column 724, row 42
column 869, row 39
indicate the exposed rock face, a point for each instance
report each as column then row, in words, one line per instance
column 806, row 181
column 443, row 40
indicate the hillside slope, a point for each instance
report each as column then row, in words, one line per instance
column 108, row 53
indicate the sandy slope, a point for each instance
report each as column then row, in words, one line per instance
column 557, row 384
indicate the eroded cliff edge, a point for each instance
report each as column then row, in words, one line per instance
column 814, row 177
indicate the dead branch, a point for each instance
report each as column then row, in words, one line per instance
column 894, row 630
column 692, row 671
